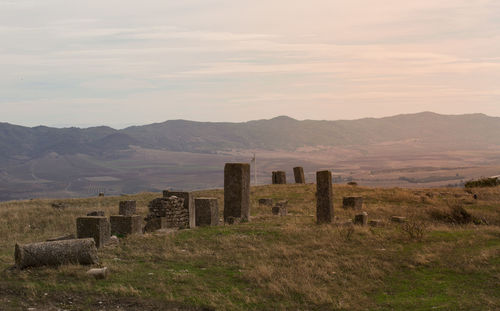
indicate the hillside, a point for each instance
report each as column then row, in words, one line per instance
column 420, row 150
column 272, row 262
column 278, row 133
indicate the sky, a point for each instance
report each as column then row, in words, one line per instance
column 128, row 62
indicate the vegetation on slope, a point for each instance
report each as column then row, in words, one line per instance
column 272, row 263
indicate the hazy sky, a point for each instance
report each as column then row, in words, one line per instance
column 121, row 62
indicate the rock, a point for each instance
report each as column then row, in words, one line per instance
column 98, row 273
column 125, row 225
column 206, row 211
column 55, row 253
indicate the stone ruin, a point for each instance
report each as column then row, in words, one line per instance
column 352, row 202
column 125, row 225
column 324, row 197
column 236, row 192
column 188, row 203
column 96, row 227
column 298, row 173
column 96, row 213
column 361, row 219
column 172, row 209
column 281, row 208
column 207, row 211
column 279, row 178
column 127, row 208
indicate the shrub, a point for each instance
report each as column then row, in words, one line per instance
column 483, row 182
column 414, row 228
column 455, row 214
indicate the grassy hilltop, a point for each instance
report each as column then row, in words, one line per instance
column 272, row 262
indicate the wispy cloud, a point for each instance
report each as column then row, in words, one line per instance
column 207, row 60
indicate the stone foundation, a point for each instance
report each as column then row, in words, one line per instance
column 125, row 225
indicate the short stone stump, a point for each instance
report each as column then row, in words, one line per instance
column 96, row 227
column 206, row 211
column 352, row 202
column 127, row 208
column 279, row 178
column 361, row 219
column 125, row 225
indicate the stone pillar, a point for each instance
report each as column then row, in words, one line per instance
column 237, row 191
column 279, row 178
column 207, row 211
column 298, row 173
column 96, row 227
column 188, row 204
column 127, row 208
column 324, row 197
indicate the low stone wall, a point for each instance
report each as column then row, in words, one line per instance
column 173, row 209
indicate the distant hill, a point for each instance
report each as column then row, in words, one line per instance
column 277, row 133
column 425, row 147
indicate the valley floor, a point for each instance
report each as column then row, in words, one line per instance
column 273, row 263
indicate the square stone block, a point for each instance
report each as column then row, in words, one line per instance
column 324, row 197
column 96, row 227
column 125, row 225
column 154, row 224
column 206, row 211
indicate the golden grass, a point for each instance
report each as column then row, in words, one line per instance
column 274, row 263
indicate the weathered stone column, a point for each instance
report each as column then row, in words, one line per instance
column 279, row 178
column 298, row 172
column 324, row 197
column 237, row 191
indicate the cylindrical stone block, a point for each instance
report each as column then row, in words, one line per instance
column 55, row 253
column 298, row 173
column 127, row 208
column 237, row 191
column 206, row 211
column 324, row 200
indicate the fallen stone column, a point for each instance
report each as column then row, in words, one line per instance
column 55, row 253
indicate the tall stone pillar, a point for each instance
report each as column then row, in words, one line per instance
column 324, row 197
column 298, row 172
column 237, row 191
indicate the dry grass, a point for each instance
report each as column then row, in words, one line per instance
column 273, row 263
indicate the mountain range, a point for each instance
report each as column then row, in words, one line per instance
column 46, row 161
